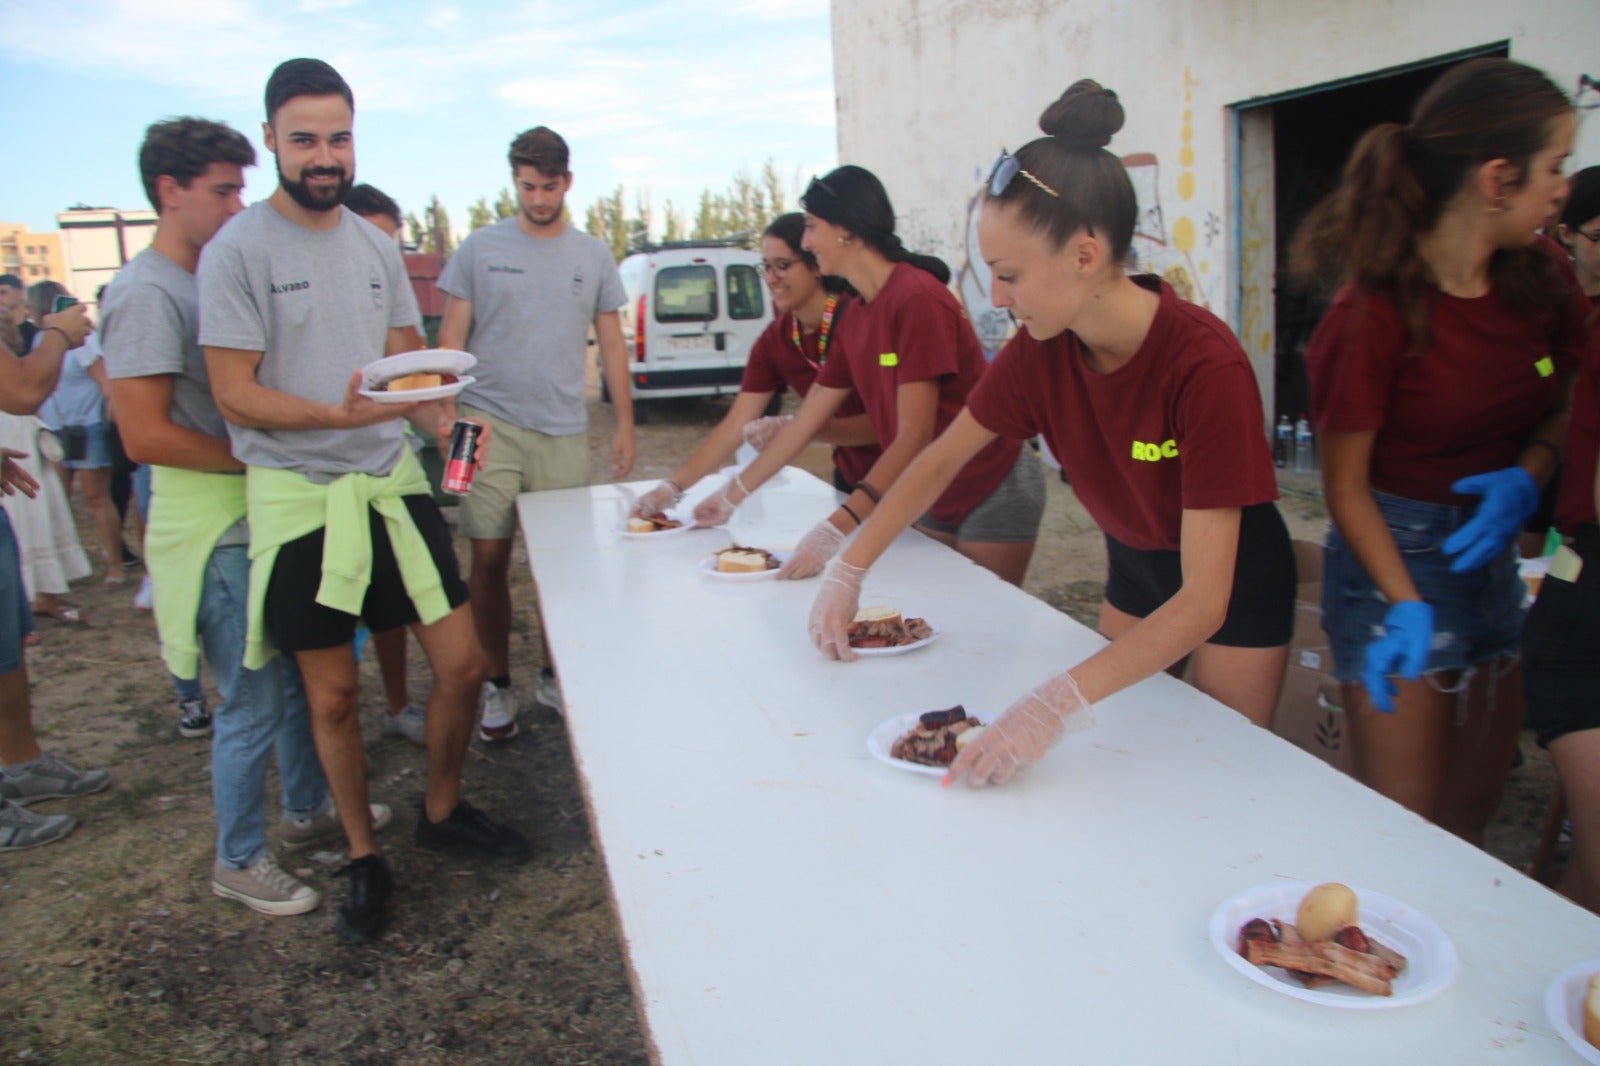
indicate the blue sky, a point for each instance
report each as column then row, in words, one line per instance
column 670, row 97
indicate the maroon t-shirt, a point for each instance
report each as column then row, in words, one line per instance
column 1575, row 499
column 915, row 330
column 1179, row 426
column 775, row 362
column 1465, row 405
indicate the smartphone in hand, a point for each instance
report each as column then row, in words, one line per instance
column 62, row 302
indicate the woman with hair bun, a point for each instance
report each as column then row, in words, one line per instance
column 1440, row 379
column 1150, row 404
column 788, row 354
column 907, row 350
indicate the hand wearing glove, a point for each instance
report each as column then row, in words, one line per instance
column 835, row 608
column 1020, row 737
column 758, row 432
column 657, row 500
column 813, row 552
column 1509, row 497
column 1403, row 650
column 716, row 509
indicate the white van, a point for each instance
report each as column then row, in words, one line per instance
column 694, row 309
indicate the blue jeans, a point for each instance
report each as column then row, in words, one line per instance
column 260, row 710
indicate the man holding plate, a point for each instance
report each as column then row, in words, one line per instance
column 296, row 295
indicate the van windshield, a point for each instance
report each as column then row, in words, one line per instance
column 686, row 293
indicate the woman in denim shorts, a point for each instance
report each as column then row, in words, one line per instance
column 1440, row 382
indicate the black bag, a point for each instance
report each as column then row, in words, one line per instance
column 74, row 443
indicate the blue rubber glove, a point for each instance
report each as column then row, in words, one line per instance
column 1403, row 650
column 1509, row 497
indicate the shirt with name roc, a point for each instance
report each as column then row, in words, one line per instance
column 318, row 305
column 533, row 300
column 915, row 330
column 1465, row 405
column 1177, row 427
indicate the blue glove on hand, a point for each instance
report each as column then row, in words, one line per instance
column 1509, row 497
column 1403, row 650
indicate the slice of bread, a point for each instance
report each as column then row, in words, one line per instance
column 640, row 525
column 868, row 615
column 1591, row 1012
column 410, row 382
column 737, row 561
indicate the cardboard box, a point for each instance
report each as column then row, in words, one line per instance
column 1309, row 713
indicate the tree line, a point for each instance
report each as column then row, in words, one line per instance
column 743, row 209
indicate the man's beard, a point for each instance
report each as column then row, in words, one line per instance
column 320, row 198
column 534, row 220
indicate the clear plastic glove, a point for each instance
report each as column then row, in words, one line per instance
column 656, row 501
column 716, row 509
column 1020, row 737
column 813, row 552
column 758, row 432
column 1509, row 497
column 1403, row 650
column 835, row 608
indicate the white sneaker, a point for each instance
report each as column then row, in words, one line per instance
column 264, row 887
column 145, row 598
column 498, row 714
column 410, row 723
column 548, row 694
column 302, row 833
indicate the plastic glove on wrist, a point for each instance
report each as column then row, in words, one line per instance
column 1509, row 497
column 1020, row 737
column 656, row 501
column 835, row 608
column 758, row 432
column 1403, row 649
column 813, row 552
column 716, row 509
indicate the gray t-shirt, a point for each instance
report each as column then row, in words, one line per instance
column 150, row 325
column 318, row 305
column 533, row 301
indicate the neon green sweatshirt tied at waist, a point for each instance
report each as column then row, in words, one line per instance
column 190, row 510
column 285, row 505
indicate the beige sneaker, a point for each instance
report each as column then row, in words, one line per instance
column 302, row 833
column 264, row 887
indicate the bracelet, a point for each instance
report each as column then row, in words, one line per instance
column 845, row 507
column 677, row 489
column 739, row 481
column 64, row 335
column 872, row 493
column 1540, row 442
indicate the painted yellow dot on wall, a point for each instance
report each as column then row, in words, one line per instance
column 1205, row 266
column 1183, row 233
column 1186, row 185
column 1186, row 156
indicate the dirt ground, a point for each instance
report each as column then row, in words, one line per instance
column 113, row 950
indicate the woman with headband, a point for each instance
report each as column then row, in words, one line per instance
column 910, row 354
column 1150, row 404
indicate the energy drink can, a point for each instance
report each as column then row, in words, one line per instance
column 462, row 464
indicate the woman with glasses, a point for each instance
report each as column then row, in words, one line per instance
column 909, row 353
column 1580, row 230
column 1151, row 406
column 1439, row 379
column 789, row 353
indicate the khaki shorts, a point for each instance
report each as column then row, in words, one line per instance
column 520, row 460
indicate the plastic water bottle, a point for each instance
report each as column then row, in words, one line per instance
column 1304, row 461
column 1282, row 441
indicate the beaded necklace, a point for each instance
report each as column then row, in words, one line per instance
column 822, row 334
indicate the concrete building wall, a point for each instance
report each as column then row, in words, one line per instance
column 98, row 241
column 929, row 92
column 31, row 256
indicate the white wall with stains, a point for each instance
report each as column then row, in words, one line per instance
column 929, row 90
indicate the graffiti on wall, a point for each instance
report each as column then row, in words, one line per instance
column 1167, row 251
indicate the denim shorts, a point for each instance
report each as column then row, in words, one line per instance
column 16, row 620
column 1477, row 616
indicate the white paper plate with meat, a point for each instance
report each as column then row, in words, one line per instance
column 708, row 567
column 901, row 649
column 445, row 361
column 620, row 528
column 881, row 741
column 1563, row 1003
column 1431, row 961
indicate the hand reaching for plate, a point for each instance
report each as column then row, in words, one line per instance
column 1020, row 737
column 835, row 606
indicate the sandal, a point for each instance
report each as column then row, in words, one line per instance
column 111, row 582
column 70, row 615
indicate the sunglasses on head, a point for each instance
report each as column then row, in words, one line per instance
column 1006, row 169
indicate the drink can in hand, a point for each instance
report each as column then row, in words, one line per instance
column 463, row 461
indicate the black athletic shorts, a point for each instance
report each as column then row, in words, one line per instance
column 1561, row 648
column 297, row 622
column 1261, row 607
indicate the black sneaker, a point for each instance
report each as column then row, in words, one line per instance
column 361, row 914
column 130, row 561
column 194, row 720
column 468, row 831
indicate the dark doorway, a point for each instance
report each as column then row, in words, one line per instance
column 1312, row 134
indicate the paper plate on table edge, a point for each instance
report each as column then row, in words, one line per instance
column 708, row 567
column 1431, row 960
column 901, row 649
column 881, row 741
column 1563, row 1004
column 620, row 528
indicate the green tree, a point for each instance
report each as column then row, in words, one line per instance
column 432, row 235
column 675, row 228
column 478, row 213
column 506, row 205
column 639, row 225
column 607, row 219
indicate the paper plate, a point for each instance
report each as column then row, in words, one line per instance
column 901, row 649
column 881, row 741
column 429, row 360
column 620, row 528
column 1563, row 1003
column 708, row 567
column 1431, row 961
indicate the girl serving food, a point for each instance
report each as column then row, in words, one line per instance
column 1151, row 406
column 909, row 353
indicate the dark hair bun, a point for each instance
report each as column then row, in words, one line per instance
column 1085, row 116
